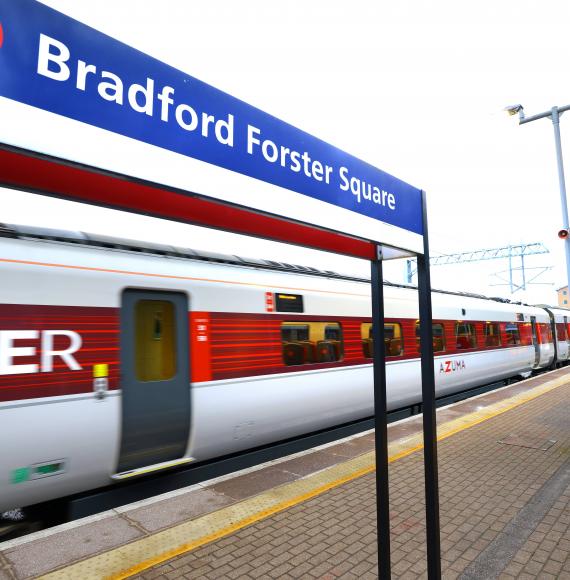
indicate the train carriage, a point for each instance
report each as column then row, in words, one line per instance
column 559, row 324
column 118, row 358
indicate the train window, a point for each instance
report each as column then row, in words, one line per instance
column 465, row 336
column 314, row 342
column 393, row 340
column 155, row 349
column 561, row 331
column 290, row 331
column 525, row 330
column 544, row 333
column 367, row 342
column 492, row 334
column 513, row 334
column 438, row 337
column 332, row 332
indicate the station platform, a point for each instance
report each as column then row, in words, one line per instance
column 504, row 476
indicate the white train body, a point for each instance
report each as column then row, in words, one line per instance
column 64, row 413
column 559, row 318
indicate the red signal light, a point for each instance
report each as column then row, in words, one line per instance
column 563, row 234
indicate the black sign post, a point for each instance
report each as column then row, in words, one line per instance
column 380, row 418
column 429, row 417
column 428, row 403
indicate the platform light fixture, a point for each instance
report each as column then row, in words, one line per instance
column 554, row 115
column 514, row 109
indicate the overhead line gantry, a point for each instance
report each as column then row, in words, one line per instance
column 504, row 252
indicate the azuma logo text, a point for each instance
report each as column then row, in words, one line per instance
column 450, row 366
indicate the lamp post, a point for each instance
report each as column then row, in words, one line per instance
column 554, row 115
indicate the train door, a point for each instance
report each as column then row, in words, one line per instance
column 535, row 340
column 155, row 378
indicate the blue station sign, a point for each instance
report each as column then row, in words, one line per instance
column 57, row 64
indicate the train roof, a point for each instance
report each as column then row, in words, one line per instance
column 560, row 310
column 25, row 232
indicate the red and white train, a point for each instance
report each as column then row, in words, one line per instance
column 119, row 358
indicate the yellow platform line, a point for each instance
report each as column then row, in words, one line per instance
column 141, row 554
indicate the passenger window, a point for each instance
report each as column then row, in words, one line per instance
column 294, row 332
column 393, row 339
column 155, row 348
column 561, row 331
column 492, row 334
column 332, row 332
column 544, row 333
column 314, row 342
column 438, row 337
column 513, row 334
column 465, row 336
column 525, row 329
column 367, row 342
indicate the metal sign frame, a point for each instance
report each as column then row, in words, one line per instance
column 28, row 171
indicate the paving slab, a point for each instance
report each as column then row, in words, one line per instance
column 33, row 559
column 253, row 483
column 311, row 463
column 162, row 514
column 354, row 447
